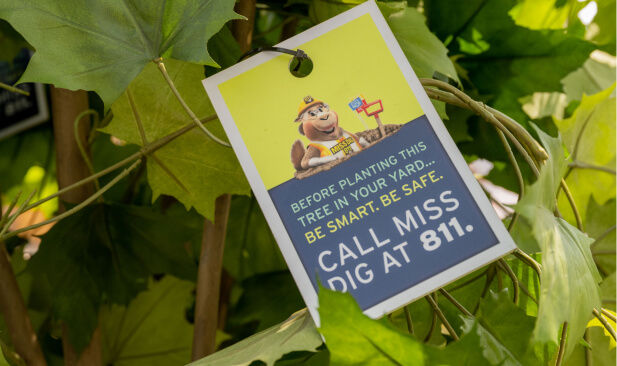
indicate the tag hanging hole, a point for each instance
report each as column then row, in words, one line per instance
column 300, row 66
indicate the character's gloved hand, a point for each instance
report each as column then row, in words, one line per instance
column 363, row 142
column 313, row 162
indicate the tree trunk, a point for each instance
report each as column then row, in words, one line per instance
column 16, row 316
column 70, row 168
column 209, row 280
column 210, row 306
column 243, row 29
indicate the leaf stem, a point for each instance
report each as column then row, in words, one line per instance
column 488, row 116
column 429, row 334
column 455, row 302
column 80, row 146
column 506, row 268
column 7, row 214
column 608, row 314
column 583, row 165
column 512, row 158
column 13, row 89
column 562, row 344
column 469, row 281
column 605, row 323
column 138, row 155
column 408, row 319
column 442, row 317
column 577, row 215
column 12, row 219
column 588, row 357
column 458, row 98
column 525, row 258
column 187, row 109
column 76, row 208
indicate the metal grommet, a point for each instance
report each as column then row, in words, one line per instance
column 300, row 66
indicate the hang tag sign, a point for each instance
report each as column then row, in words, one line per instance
column 359, row 180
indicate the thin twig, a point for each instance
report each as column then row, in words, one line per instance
column 588, row 357
column 19, row 211
column 498, row 119
column 490, row 276
column 512, row 158
column 506, row 268
column 455, row 302
column 525, row 258
column 187, row 109
column 442, row 317
column 145, row 150
column 562, row 344
column 80, row 146
column 525, row 290
column 577, row 215
column 605, row 323
column 408, row 319
column 432, row 327
column 608, row 314
column 583, row 165
column 471, row 280
column 7, row 214
column 76, row 208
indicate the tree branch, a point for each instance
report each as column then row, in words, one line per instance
column 243, row 29
column 15, row 315
column 70, row 168
column 209, row 279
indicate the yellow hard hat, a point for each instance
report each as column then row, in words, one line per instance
column 307, row 102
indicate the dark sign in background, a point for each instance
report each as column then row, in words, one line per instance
column 386, row 219
column 18, row 111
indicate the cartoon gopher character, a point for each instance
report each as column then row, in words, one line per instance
column 328, row 140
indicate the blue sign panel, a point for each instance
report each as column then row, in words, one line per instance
column 383, row 221
column 355, row 104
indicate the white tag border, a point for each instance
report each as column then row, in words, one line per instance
column 503, row 247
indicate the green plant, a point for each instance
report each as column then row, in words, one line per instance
column 105, row 272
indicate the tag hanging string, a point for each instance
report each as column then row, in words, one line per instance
column 300, row 65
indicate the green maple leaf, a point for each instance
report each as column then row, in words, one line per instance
column 11, row 42
column 253, row 308
column 423, row 50
column 297, row 333
column 600, row 225
column 250, row 248
column 105, row 253
column 192, row 168
column 508, row 62
column 569, row 278
column 498, row 335
column 546, row 14
column 102, row 45
column 589, row 136
column 602, row 30
column 595, row 75
column 132, row 335
column 355, row 339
